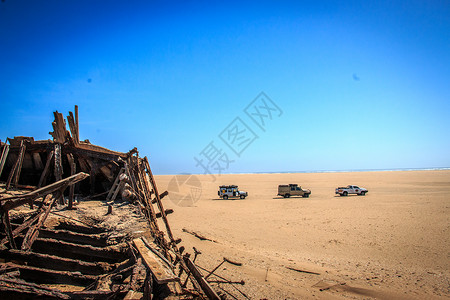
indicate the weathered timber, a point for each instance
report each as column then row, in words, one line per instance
column 42, row 275
column 19, row 289
column 110, row 254
column 55, row 262
column 138, row 276
column 199, row 236
column 167, row 212
column 33, row 231
column 159, row 268
column 97, row 240
column 77, row 125
column 73, row 169
column 88, row 229
column 302, row 271
column 19, row 166
column 59, row 133
column 9, row 234
column 96, row 295
column 33, row 218
column 207, row 289
column 45, row 173
column 15, row 169
column 159, row 203
column 5, row 152
column 115, row 184
column 73, row 128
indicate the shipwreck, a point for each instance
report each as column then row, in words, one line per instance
column 50, row 248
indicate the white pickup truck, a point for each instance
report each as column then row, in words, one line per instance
column 351, row 189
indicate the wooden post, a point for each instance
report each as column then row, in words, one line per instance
column 58, row 168
column 5, row 219
column 73, row 169
column 19, row 167
column 158, row 200
column 4, row 156
column 77, row 125
column 13, row 171
column 46, row 168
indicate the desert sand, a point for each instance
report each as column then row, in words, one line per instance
column 392, row 243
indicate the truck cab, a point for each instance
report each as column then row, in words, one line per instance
column 351, row 189
column 231, row 191
column 288, row 190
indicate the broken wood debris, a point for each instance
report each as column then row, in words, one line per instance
column 199, row 236
column 302, row 271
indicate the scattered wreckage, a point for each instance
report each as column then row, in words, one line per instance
column 50, row 254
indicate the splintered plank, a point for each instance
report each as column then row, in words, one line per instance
column 19, row 289
column 111, row 254
column 98, row 240
column 159, row 268
column 41, row 275
column 56, row 263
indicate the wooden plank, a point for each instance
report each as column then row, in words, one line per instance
column 33, row 231
column 73, row 169
column 19, row 167
column 76, row 123
column 115, row 184
column 13, row 172
column 55, row 262
column 46, row 169
column 207, row 289
column 72, row 128
column 159, row 268
column 19, row 289
column 3, row 158
column 9, row 234
column 158, row 200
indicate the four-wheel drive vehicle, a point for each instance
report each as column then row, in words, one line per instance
column 292, row 190
column 231, row 191
column 351, row 189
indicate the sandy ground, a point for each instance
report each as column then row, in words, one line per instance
column 392, row 243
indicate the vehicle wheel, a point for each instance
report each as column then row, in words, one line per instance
column 225, row 197
column 305, row 195
column 242, row 197
column 344, row 194
column 287, row 196
column 363, row 193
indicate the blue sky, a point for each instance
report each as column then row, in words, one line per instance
column 361, row 84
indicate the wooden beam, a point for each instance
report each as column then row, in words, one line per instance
column 207, row 289
column 158, row 200
column 14, row 174
column 42, row 275
column 5, row 152
column 33, row 231
column 159, row 268
column 7, row 224
column 73, row 169
column 19, row 289
column 76, row 123
column 97, row 240
column 57, row 263
column 110, row 254
column 46, row 169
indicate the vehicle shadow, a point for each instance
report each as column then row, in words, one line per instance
column 229, row 199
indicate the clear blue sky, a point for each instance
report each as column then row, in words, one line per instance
column 362, row 85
